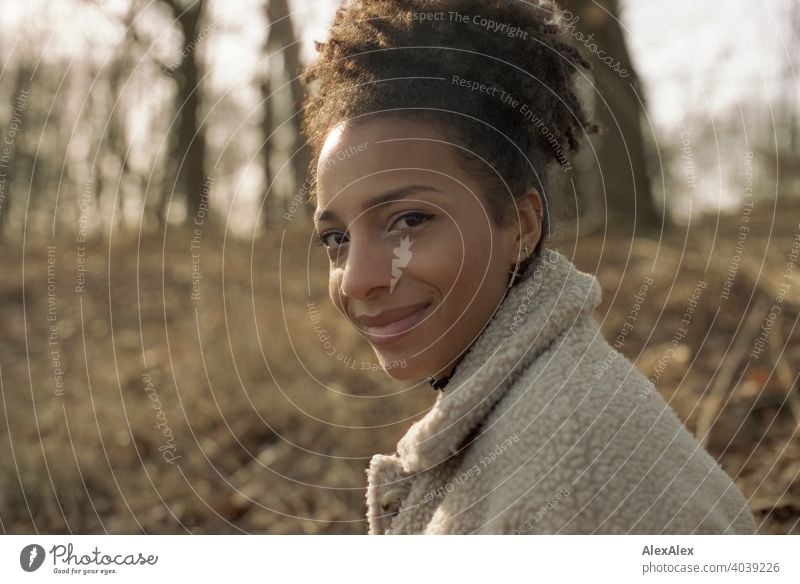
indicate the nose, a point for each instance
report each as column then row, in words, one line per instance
column 367, row 269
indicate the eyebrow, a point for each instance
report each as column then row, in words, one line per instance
column 387, row 197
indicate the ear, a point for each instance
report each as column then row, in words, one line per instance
column 531, row 213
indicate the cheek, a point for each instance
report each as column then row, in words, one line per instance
column 476, row 252
column 333, row 289
column 456, row 261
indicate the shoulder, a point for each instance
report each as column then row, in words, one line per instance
column 599, row 450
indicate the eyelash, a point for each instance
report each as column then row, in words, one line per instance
column 320, row 239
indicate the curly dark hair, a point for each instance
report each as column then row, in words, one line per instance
column 496, row 77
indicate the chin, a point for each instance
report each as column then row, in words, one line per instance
column 402, row 369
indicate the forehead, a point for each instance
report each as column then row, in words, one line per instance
column 383, row 149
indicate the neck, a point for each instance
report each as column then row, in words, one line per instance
column 439, row 380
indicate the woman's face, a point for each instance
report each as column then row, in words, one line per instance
column 417, row 264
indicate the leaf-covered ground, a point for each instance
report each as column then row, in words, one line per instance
column 139, row 398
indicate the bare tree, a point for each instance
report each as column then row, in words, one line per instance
column 9, row 153
column 283, row 38
column 268, row 121
column 116, row 139
column 187, row 138
column 621, row 175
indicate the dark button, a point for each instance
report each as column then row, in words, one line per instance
column 392, row 499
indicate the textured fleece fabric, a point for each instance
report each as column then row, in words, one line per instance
column 545, row 428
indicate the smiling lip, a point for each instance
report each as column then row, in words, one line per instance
column 389, row 325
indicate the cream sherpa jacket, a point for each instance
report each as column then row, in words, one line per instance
column 545, row 428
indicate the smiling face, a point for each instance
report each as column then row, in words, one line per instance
column 417, row 264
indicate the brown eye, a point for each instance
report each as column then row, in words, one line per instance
column 329, row 240
column 412, row 220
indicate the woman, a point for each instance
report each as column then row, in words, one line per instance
column 435, row 129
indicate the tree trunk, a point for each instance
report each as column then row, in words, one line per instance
column 618, row 181
column 282, row 38
column 188, row 134
column 269, row 206
column 19, row 104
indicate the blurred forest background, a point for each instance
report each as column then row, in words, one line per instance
column 169, row 360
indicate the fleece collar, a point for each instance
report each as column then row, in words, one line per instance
column 547, row 300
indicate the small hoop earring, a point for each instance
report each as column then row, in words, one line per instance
column 516, row 267
column 513, row 275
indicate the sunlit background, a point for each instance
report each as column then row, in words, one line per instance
column 726, row 68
